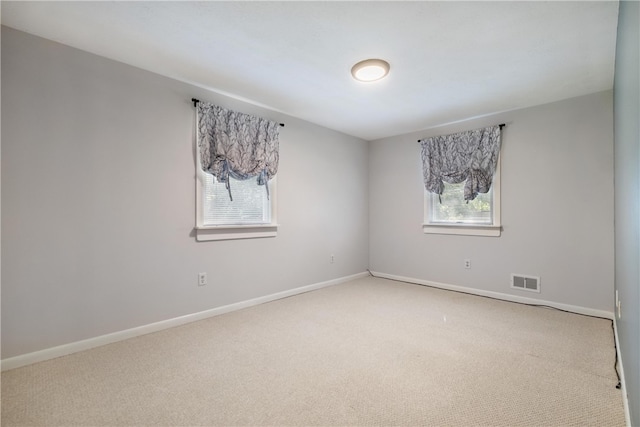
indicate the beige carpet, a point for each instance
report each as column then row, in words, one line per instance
column 368, row 352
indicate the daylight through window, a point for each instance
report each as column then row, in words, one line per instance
column 250, row 204
column 451, row 208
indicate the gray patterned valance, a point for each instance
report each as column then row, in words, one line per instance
column 469, row 156
column 237, row 145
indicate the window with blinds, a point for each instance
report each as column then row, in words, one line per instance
column 250, row 204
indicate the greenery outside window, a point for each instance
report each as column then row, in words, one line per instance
column 451, row 214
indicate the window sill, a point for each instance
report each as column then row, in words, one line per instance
column 463, row 229
column 233, row 232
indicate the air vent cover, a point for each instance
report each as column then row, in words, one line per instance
column 525, row 283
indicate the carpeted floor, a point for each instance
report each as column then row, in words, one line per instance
column 367, row 352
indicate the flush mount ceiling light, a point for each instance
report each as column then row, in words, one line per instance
column 370, row 70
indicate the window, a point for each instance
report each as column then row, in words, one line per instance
column 450, row 214
column 237, row 161
column 250, row 204
column 251, row 213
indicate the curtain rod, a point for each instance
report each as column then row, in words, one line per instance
column 501, row 124
column 195, row 102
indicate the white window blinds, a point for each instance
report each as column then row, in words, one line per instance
column 250, row 204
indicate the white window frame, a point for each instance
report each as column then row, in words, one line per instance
column 468, row 229
column 233, row 231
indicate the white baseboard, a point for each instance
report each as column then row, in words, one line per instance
column 74, row 347
column 499, row 295
column 623, row 388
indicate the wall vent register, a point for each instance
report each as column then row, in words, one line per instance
column 525, row 283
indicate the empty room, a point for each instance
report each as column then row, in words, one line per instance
column 308, row 213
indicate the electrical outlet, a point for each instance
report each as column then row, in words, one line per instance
column 202, row 279
column 467, row 263
column 332, row 259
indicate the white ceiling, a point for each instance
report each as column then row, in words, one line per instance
column 449, row 60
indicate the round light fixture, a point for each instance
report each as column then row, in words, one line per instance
column 370, row 70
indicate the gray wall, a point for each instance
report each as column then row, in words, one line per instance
column 98, row 201
column 557, row 207
column 627, row 196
